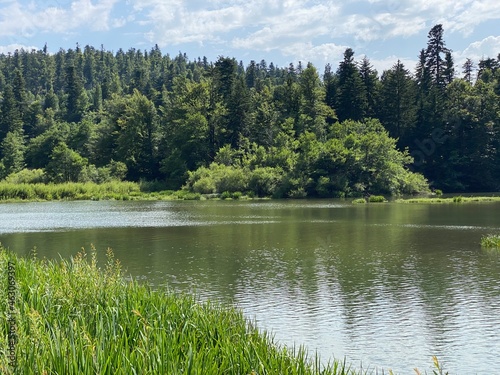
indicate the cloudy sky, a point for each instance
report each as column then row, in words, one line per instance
column 278, row 31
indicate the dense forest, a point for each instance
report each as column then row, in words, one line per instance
column 95, row 115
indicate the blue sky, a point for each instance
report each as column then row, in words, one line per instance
column 278, row 31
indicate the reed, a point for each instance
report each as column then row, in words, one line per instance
column 457, row 199
column 114, row 190
column 78, row 317
column 491, row 241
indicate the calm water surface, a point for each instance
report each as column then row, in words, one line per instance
column 385, row 286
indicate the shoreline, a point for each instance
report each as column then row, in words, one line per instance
column 126, row 191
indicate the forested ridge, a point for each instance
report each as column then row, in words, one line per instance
column 89, row 114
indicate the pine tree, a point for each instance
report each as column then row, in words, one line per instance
column 351, row 97
column 449, row 69
column 434, row 61
column 11, row 120
column 369, row 76
column 76, row 102
column 467, row 70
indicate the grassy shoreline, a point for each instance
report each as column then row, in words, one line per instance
column 456, row 199
column 126, row 190
column 72, row 317
column 77, row 317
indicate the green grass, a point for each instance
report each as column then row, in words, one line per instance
column 79, row 317
column 75, row 317
column 116, row 190
column 359, row 201
column 376, row 199
column 457, row 199
column 491, row 241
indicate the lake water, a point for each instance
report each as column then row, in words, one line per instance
column 384, row 285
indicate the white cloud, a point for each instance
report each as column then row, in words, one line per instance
column 24, row 21
column 488, row 47
column 260, row 24
column 388, row 62
column 12, row 47
column 320, row 55
column 474, row 14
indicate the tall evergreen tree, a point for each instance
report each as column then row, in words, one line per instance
column 436, row 47
column 351, row 97
column 398, row 112
column 371, row 83
column 449, row 69
column 467, row 70
column 10, row 120
column 76, row 101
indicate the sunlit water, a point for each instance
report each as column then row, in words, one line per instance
column 384, row 285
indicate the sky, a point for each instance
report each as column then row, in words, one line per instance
column 281, row 32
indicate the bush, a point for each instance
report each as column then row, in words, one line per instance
column 204, row 185
column 376, row 199
column 217, row 178
column 491, row 241
column 265, row 181
column 188, row 196
column 231, row 179
column 458, row 199
column 359, row 200
column 225, row 195
column 26, row 176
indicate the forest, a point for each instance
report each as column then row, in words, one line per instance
column 211, row 127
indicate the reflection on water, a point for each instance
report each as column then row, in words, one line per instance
column 384, row 285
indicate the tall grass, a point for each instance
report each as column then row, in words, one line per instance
column 74, row 317
column 491, row 241
column 457, row 199
column 69, row 190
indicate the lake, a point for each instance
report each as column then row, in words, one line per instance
column 384, row 285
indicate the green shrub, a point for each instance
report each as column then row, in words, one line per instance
column 204, row 185
column 359, row 200
column 188, row 196
column 26, row 176
column 438, row 192
column 491, row 241
column 264, row 181
column 225, row 195
column 377, row 199
column 458, row 199
column 231, row 179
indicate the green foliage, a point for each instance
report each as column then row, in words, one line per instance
column 79, row 316
column 12, row 149
column 65, row 165
column 265, row 181
column 225, row 195
column 26, row 176
column 217, row 178
column 491, row 241
column 377, row 199
column 359, row 201
column 289, row 131
column 70, row 190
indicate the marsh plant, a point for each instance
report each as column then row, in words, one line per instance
column 79, row 317
column 491, row 241
column 377, row 199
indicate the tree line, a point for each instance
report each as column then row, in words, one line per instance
column 94, row 115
